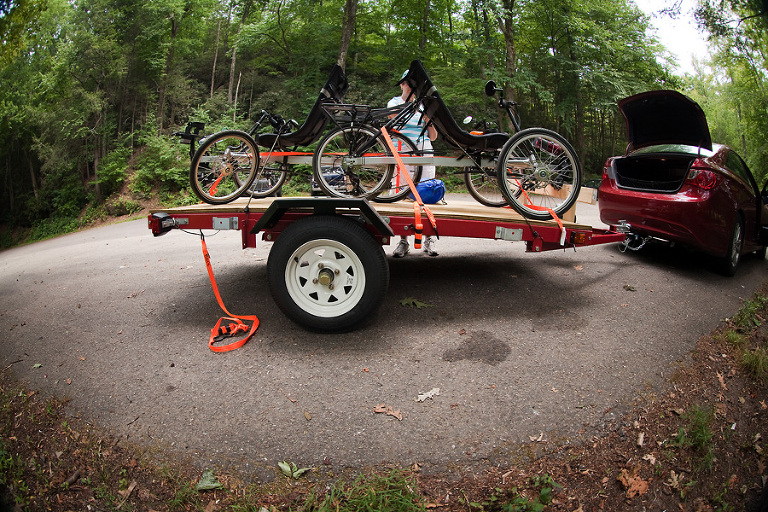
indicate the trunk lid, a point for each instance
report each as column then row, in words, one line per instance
column 664, row 117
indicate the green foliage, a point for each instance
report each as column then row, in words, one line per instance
column 393, row 492
column 89, row 87
column 696, row 435
column 112, row 172
column 162, row 162
column 756, row 363
column 541, row 487
column 298, row 182
column 747, row 318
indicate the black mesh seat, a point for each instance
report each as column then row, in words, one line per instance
column 438, row 113
column 316, row 120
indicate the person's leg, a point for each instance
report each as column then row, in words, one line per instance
column 402, row 248
column 429, row 246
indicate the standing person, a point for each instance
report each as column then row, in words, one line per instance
column 414, row 130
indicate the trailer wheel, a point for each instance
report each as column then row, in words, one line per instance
column 327, row 273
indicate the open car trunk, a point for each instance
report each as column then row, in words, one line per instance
column 652, row 173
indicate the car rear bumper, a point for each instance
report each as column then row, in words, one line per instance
column 690, row 220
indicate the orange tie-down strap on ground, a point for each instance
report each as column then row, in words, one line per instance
column 219, row 332
column 419, row 203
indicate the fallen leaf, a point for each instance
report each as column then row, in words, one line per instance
column 650, row 458
column 388, row 410
column 641, row 439
column 578, row 267
column 462, row 332
column 429, row 394
column 722, row 380
column 208, row 481
column 127, row 492
column 414, row 303
column 633, row 484
column 538, row 439
column 38, row 365
column 675, row 481
column 307, row 416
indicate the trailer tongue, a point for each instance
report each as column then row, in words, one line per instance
column 327, row 270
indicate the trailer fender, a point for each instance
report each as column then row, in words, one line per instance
column 324, row 206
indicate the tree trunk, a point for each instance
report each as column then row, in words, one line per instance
column 347, row 29
column 164, row 79
column 32, row 175
column 232, row 66
column 215, row 57
column 423, row 29
column 233, row 63
column 237, row 91
column 507, row 27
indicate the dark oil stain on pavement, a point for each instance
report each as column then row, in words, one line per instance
column 481, row 346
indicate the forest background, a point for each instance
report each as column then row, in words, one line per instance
column 91, row 90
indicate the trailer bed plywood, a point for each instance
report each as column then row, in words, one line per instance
column 459, row 210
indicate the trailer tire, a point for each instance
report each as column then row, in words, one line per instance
column 327, row 273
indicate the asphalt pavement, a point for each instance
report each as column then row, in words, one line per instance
column 526, row 350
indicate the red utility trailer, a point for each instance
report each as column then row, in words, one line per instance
column 327, row 270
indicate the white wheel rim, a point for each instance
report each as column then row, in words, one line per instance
column 325, row 278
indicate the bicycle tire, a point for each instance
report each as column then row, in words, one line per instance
column 483, row 185
column 539, row 169
column 398, row 186
column 339, row 170
column 224, row 166
column 268, row 180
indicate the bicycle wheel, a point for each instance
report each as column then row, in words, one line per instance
column 538, row 169
column 224, row 166
column 268, row 180
column 398, row 186
column 483, row 185
column 339, row 163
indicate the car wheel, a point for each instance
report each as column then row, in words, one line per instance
column 729, row 263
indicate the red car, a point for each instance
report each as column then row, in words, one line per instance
column 673, row 184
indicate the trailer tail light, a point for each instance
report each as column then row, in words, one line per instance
column 579, row 237
column 160, row 223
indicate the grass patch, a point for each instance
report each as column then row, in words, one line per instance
column 391, row 492
column 748, row 318
column 755, row 362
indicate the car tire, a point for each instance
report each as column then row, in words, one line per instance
column 728, row 264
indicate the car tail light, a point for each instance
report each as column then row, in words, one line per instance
column 705, row 179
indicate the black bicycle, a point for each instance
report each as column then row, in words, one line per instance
column 535, row 171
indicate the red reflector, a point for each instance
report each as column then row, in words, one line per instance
column 703, row 179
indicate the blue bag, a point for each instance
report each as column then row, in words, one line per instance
column 431, row 191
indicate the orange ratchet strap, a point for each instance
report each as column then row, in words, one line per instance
column 419, row 203
column 418, row 227
column 237, row 325
column 544, row 209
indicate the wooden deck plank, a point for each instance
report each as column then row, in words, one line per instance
column 467, row 210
